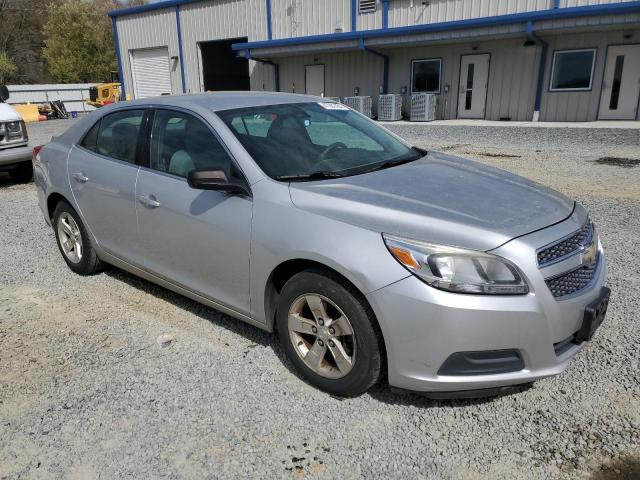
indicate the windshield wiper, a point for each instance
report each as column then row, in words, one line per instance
column 311, row 176
column 389, row 164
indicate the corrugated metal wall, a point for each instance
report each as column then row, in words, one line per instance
column 579, row 3
column 512, row 76
column 146, row 30
column 296, row 18
column 579, row 106
column 343, row 72
column 413, row 12
column 218, row 20
column 73, row 95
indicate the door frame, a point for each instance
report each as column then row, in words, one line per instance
column 484, row 117
column 324, row 76
column 604, row 68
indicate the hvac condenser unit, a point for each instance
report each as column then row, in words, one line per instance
column 359, row 104
column 390, row 108
column 335, row 99
column 423, row 107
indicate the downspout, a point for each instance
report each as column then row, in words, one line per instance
column 116, row 40
column 385, row 59
column 385, row 13
column 556, row 4
column 276, row 67
column 541, row 68
column 179, row 29
column 269, row 25
column 354, row 15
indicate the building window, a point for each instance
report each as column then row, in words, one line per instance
column 572, row 70
column 367, row 6
column 425, row 75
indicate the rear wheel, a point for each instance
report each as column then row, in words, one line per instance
column 22, row 172
column 73, row 241
column 329, row 333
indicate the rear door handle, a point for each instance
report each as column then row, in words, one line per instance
column 149, row 201
column 80, row 177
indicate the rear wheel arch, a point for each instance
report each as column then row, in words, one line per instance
column 52, row 202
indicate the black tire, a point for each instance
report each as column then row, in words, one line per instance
column 22, row 172
column 89, row 262
column 368, row 364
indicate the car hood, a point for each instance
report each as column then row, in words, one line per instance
column 8, row 114
column 441, row 199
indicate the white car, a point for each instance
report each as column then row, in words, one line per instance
column 15, row 154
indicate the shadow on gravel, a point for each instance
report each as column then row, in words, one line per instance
column 622, row 468
column 7, row 181
column 382, row 393
column 618, row 162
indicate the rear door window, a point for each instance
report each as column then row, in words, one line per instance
column 119, row 134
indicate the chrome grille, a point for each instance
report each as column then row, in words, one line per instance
column 573, row 281
column 566, row 247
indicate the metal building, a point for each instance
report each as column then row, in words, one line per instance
column 552, row 60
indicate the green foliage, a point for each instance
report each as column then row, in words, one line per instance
column 78, row 40
column 7, row 68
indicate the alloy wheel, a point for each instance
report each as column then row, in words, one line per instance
column 70, row 237
column 322, row 336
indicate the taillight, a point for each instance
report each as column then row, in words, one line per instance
column 25, row 133
column 36, row 151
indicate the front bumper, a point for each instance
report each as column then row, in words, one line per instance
column 12, row 155
column 423, row 326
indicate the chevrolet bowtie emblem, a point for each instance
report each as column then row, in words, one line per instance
column 590, row 254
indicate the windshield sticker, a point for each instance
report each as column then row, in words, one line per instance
column 333, row 106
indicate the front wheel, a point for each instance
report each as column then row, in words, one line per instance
column 329, row 333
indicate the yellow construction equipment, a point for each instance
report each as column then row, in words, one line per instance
column 105, row 93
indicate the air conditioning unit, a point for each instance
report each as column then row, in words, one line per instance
column 359, row 104
column 423, row 107
column 389, row 108
column 335, row 99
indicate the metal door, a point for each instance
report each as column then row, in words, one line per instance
column 621, row 83
column 151, row 76
column 474, row 77
column 314, row 80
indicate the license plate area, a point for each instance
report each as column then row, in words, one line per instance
column 594, row 314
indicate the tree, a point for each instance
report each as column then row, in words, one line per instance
column 7, row 68
column 78, row 40
column 21, row 40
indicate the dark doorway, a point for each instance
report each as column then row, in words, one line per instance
column 222, row 69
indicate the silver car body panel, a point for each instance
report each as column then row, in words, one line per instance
column 221, row 250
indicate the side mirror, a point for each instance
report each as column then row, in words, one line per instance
column 4, row 93
column 214, row 180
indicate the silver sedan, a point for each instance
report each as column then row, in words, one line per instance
column 370, row 258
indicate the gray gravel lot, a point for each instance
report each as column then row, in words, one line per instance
column 86, row 391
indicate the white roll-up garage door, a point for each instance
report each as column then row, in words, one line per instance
column 151, row 77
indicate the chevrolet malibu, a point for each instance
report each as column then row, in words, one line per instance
column 370, row 258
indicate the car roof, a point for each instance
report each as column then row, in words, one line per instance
column 217, row 101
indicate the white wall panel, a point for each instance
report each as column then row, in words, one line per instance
column 413, row 12
column 296, row 18
column 580, row 3
column 156, row 28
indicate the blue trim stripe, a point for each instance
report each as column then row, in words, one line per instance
column 116, row 40
column 354, row 15
column 385, row 13
column 180, row 58
column 550, row 14
column 269, row 27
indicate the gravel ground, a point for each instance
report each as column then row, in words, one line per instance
column 87, row 391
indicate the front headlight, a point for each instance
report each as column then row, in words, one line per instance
column 457, row 270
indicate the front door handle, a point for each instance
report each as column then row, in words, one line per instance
column 80, row 177
column 149, row 201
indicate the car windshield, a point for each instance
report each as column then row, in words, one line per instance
column 305, row 141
